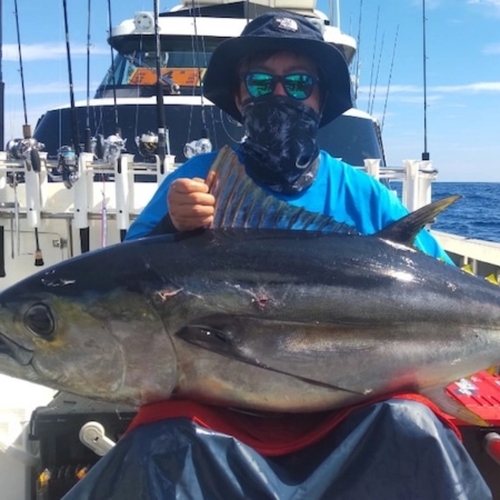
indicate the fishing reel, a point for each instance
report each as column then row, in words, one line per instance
column 13, row 179
column 67, row 165
column 197, row 147
column 26, row 149
column 147, row 144
column 113, row 147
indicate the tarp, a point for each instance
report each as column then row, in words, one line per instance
column 390, row 450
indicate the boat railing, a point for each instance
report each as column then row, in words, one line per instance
column 99, row 191
column 34, row 191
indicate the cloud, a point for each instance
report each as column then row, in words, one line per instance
column 58, row 87
column 413, row 99
column 476, row 88
column 14, row 118
column 492, row 48
column 44, row 51
column 491, row 4
column 364, row 89
column 494, row 3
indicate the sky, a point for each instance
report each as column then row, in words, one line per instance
column 463, row 71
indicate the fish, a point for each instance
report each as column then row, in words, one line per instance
column 256, row 318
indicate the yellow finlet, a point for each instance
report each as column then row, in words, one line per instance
column 467, row 268
column 492, row 278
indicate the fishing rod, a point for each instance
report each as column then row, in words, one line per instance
column 375, row 83
column 88, row 135
column 358, row 63
column 160, row 112
column 2, row 86
column 425, row 154
column 70, row 159
column 390, row 78
column 75, row 139
column 373, row 59
column 2, row 93
column 28, row 149
column 113, row 71
column 114, row 145
column 197, row 52
column 202, row 145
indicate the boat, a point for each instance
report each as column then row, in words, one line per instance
column 194, row 125
column 72, row 204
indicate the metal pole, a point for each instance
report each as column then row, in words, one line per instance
column 425, row 154
column 337, row 14
column 2, row 86
column 2, row 140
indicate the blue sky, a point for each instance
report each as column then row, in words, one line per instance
column 463, row 71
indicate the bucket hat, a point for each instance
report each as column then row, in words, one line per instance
column 285, row 31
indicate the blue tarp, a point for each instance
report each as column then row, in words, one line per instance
column 392, row 450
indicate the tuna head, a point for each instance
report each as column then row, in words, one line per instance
column 89, row 342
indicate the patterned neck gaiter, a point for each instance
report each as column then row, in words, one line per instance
column 280, row 149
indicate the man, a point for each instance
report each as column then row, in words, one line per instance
column 283, row 82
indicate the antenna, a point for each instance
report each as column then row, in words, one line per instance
column 425, row 154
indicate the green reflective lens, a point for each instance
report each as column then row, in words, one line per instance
column 299, row 86
column 259, row 84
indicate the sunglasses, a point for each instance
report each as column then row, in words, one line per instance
column 297, row 85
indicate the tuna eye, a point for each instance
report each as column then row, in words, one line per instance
column 38, row 319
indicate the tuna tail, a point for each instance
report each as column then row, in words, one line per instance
column 242, row 203
column 406, row 229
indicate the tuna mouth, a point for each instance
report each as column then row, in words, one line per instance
column 15, row 351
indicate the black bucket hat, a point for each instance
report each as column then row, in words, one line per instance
column 279, row 31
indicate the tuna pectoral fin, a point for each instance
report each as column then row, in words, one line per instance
column 242, row 203
column 452, row 407
column 224, row 343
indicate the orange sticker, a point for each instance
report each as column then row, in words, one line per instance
column 184, row 77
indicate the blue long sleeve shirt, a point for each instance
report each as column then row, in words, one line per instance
column 341, row 191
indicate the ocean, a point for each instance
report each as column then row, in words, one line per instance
column 475, row 215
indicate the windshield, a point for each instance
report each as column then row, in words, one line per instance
column 183, row 64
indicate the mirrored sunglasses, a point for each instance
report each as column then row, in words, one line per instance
column 297, row 85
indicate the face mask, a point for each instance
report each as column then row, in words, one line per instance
column 281, row 148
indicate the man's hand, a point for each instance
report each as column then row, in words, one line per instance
column 190, row 205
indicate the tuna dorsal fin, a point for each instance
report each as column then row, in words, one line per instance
column 406, row 229
column 242, row 203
